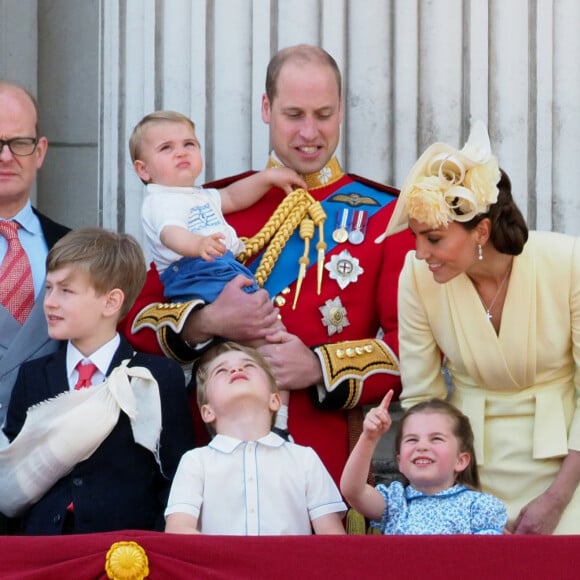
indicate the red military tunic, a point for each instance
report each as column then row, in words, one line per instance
column 358, row 298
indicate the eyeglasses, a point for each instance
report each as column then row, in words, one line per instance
column 21, row 146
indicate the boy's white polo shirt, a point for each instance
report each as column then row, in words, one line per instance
column 263, row 487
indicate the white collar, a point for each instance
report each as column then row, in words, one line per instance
column 102, row 357
column 227, row 444
column 156, row 188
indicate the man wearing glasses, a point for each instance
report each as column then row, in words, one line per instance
column 25, row 238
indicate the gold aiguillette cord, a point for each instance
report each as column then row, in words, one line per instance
column 306, row 233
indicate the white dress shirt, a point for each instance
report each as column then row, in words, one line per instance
column 263, row 487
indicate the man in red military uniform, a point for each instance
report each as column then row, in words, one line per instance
column 314, row 252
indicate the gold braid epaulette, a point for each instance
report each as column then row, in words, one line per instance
column 277, row 231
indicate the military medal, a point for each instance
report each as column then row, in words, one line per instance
column 356, row 237
column 340, row 234
column 359, row 225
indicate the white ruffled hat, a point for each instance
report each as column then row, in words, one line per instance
column 447, row 184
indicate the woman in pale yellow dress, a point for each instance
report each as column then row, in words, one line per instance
column 500, row 306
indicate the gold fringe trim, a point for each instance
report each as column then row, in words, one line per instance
column 355, row 523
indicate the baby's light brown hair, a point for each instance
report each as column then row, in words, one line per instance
column 136, row 138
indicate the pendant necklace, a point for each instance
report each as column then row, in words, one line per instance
column 488, row 314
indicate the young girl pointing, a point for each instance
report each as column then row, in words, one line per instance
column 434, row 446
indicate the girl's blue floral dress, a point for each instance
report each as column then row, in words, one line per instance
column 457, row 510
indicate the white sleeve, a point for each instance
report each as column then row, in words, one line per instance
column 322, row 495
column 186, row 495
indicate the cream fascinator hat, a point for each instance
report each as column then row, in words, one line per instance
column 448, row 185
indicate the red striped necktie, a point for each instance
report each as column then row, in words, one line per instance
column 16, row 286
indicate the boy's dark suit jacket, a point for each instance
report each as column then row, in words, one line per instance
column 120, row 486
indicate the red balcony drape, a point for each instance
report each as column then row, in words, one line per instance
column 174, row 557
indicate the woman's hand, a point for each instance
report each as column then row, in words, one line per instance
column 540, row 516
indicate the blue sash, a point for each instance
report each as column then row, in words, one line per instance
column 354, row 195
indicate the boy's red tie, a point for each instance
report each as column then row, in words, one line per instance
column 86, row 372
column 16, row 286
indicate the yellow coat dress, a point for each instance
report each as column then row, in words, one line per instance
column 521, row 388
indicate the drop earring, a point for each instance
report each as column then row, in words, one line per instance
column 479, row 252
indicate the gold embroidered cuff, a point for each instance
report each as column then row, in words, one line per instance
column 347, row 364
column 167, row 320
column 160, row 314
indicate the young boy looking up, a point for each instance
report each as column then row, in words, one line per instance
column 123, row 437
column 248, row 480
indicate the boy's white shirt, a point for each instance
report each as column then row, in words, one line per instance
column 263, row 487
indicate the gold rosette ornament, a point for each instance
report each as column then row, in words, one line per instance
column 126, row 561
column 447, row 184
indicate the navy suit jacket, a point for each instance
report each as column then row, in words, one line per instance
column 121, row 485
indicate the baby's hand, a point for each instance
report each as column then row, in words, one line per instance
column 212, row 247
column 378, row 421
column 284, row 178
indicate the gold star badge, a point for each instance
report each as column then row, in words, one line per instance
column 334, row 316
column 344, row 268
